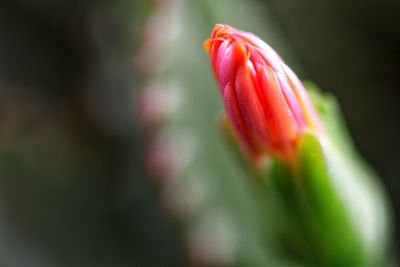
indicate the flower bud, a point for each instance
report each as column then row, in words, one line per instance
column 265, row 102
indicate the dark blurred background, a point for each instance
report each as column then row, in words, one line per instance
column 72, row 187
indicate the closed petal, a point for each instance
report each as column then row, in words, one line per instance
column 307, row 108
column 236, row 119
column 250, row 108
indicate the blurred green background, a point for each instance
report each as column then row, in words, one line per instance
column 75, row 184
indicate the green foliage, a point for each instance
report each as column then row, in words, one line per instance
column 330, row 207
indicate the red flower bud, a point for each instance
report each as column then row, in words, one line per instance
column 265, row 101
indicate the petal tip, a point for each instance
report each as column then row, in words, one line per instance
column 207, row 46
